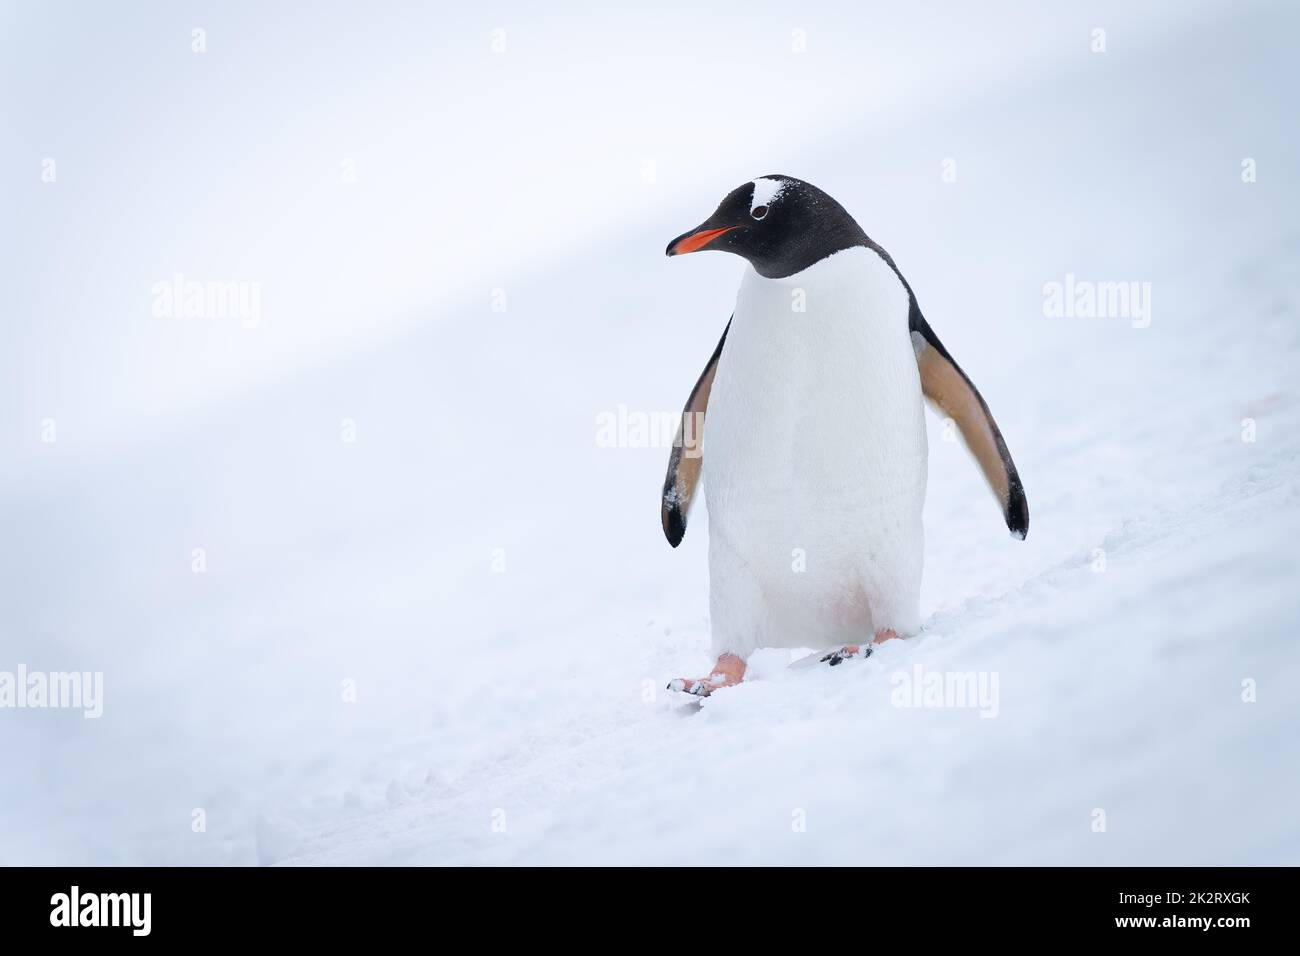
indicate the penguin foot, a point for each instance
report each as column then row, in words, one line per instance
column 851, row 651
column 729, row 670
column 847, row 653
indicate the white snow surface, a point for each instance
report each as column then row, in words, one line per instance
column 497, row 588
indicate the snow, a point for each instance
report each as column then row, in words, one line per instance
column 447, row 641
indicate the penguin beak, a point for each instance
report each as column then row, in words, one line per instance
column 695, row 240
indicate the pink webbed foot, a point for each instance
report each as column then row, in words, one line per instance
column 858, row 651
column 729, row 670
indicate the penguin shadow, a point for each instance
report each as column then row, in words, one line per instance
column 688, row 708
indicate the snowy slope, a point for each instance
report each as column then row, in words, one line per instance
column 518, row 715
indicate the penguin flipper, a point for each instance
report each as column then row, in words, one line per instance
column 955, row 396
column 687, row 458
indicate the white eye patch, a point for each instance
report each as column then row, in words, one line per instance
column 766, row 192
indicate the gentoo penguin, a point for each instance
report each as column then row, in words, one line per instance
column 816, row 451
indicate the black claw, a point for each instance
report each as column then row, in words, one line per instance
column 836, row 657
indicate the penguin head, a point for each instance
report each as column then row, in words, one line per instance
column 780, row 224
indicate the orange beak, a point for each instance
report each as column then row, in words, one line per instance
column 696, row 241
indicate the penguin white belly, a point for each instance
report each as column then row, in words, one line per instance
column 815, row 460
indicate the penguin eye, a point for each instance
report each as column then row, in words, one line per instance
column 758, row 212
